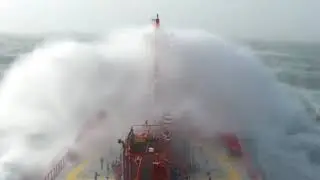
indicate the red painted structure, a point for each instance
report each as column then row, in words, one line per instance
column 147, row 154
column 232, row 144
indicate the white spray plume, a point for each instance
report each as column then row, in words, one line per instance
column 48, row 95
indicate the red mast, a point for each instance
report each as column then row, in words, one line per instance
column 147, row 151
column 156, row 22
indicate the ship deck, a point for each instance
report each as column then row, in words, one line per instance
column 212, row 158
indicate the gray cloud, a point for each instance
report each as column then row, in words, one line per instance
column 272, row 19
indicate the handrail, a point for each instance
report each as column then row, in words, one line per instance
column 144, row 125
column 57, row 169
column 60, row 165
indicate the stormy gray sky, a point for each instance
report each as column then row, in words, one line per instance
column 266, row 19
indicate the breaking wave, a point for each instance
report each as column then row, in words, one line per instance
column 50, row 93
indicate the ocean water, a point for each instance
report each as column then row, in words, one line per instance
column 271, row 89
column 296, row 65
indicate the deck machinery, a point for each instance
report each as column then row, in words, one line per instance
column 148, row 153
